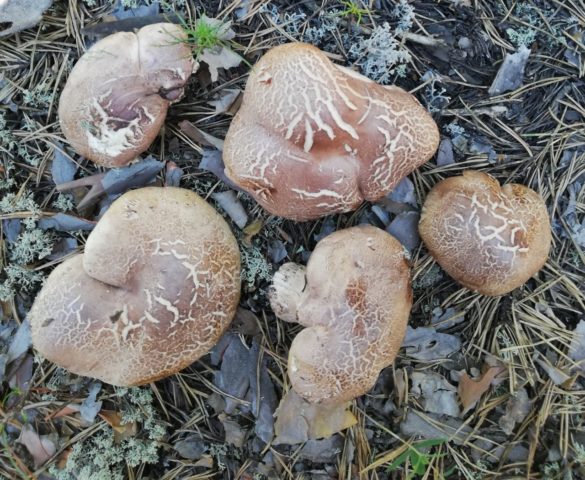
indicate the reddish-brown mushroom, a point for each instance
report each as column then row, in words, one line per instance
column 116, row 98
column 489, row 238
column 314, row 138
column 158, row 284
column 354, row 297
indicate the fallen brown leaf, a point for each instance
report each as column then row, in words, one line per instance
column 39, row 446
column 298, row 420
column 206, row 461
column 66, row 410
column 121, row 431
column 470, row 390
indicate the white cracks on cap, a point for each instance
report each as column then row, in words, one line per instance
column 320, row 118
column 148, row 296
column 493, row 225
column 354, row 299
column 320, row 193
column 489, row 238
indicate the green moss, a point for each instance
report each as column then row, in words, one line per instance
column 11, row 203
column 380, row 54
column 522, row 36
column 31, row 245
column 205, row 34
column 18, row 279
column 352, row 9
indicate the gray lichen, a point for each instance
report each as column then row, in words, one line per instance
column 100, row 457
column 380, row 55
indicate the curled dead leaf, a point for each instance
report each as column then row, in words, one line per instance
column 66, row 410
column 470, row 390
column 121, row 430
column 41, row 447
column 298, row 420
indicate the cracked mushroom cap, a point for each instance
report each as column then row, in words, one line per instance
column 116, row 98
column 158, row 284
column 313, row 138
column 491, row 239
column 354, row 298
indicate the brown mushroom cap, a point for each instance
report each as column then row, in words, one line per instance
column 355, row 300
column 116, row 98
column 489, row 238
column 158, row 284
column 313, row 138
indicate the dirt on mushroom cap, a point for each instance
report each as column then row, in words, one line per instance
column 155, row 289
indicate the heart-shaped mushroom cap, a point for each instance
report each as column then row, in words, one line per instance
column 313, row 138
column 489, row 238
column 158, row 284
column 116, row 98
column 354, row 297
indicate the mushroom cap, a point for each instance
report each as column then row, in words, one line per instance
column 158, row 284
column 355, row 305
column 116, row 98
column 313, row 138
column 489, row 238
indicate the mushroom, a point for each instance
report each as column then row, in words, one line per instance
column 491, row 239
column 354, row 297
column 313, row 138
column 116, row 98
column 158, row 284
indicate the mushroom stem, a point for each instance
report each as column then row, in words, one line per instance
column 286, row 291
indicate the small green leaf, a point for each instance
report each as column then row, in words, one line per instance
column 399, row 461
column 419, row 460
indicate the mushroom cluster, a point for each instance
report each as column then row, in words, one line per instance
column 159, row 280
column 489, row 238
column 158, row 284
column 313, row 138
column 354, row 298
column 116, row 98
